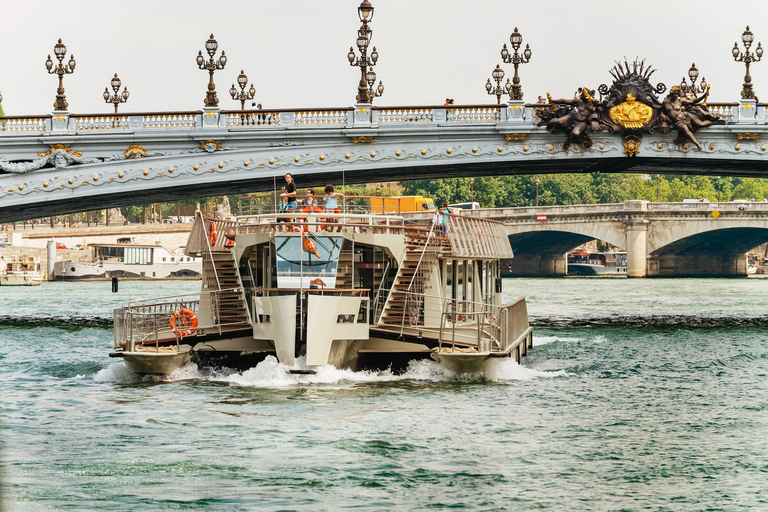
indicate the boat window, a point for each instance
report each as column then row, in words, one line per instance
column 345, row 319
column 163, row 259
column 307, row 261
column 362, row 314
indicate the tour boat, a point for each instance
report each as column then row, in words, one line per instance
column 126, row 259
column 21, row 271
column 357, row 291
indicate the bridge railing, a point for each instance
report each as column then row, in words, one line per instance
column 379, row 116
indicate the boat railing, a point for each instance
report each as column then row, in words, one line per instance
column 497, row 327
column 319, row 221
column 459, row 323
column 147, row 322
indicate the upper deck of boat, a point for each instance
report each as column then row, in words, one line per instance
column 466, row 237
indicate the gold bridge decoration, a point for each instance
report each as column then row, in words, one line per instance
column 211, row 142
column 135, row 151
column 515, row 136
column 631, row 147
column 631, row 113
column 62, row 147
column 747, row 135
column 362, row 139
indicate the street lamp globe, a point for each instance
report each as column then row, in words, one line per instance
column 106, row 94
column 693, row 73
column 516, row 39
column 527, row 52
column 115, row 83
column 242, row 79
column 211, row 45
column 200, row 58
column 735, row 51
column 60, row 50
column 488, row 86
column 497, row 74
column 747, row 37
column 365, row 10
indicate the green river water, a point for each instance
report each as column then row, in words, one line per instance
column 637, row 395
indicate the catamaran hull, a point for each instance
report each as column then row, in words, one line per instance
column 155, row 362
column 459, row 362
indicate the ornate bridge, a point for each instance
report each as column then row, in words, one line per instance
column 661, row 239
column 55, row 164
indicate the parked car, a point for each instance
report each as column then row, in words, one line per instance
column 60, row 245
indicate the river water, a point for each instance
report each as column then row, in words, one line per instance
column 638, row 395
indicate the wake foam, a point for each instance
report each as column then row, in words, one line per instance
column 725, row 320
column 272, row 374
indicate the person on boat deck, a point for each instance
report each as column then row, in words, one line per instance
column 310, row 200
column 332, row 202
column 289, row 195
column 442, row 217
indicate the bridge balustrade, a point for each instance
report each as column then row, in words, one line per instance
column 313, row 118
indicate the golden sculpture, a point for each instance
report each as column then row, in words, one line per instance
column 631, row 113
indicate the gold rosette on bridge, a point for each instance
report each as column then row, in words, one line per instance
column 631, row 113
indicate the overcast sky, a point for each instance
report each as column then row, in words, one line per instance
column 294, row 52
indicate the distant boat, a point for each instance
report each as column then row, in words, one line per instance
column 131, row 261
column 21, row 271
column 751, row 269
column 583, row 263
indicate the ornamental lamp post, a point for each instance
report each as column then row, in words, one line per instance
column 516, row 39
column 211, row 65
column 472, row 193
column 747, row 58
column 116, row 98
column 693, row 89
column 242, row 96
column 365, row 91
column 537, row 191
column 499, row 91
column 61, row 69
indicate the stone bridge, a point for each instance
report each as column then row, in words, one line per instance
column 661, row 239
column 64, row 163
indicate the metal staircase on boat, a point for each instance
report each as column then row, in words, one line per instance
column 230, row 308
column 405, row 301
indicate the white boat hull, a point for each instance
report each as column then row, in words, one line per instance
column 21, row 279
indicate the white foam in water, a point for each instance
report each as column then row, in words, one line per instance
column 272, row 374
column 509, row 369
column 543, row 340
column 117, row 373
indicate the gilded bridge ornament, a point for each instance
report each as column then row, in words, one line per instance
column 631, row 113
column 362, row 139
column 135, row 151
column 631, row 107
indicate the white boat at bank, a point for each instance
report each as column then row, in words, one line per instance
column 130, row 261
column 21, row 271
column 366, row 292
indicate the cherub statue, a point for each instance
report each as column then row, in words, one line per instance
column 574, row 121
column 686, row 116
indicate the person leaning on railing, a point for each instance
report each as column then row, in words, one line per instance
column 289, row 195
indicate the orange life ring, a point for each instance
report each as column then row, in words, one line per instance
column 311, row 209
column 212, row 237
column 187, row 321
column 230, row 238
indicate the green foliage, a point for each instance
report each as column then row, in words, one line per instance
column 560, row 189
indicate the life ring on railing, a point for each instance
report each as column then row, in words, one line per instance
column 183, row 321
column 212, row 237
column 311, row 209
column 230, row 238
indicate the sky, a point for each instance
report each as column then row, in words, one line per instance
column 295, row 52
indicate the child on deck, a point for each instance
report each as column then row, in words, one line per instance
column 331, row 202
